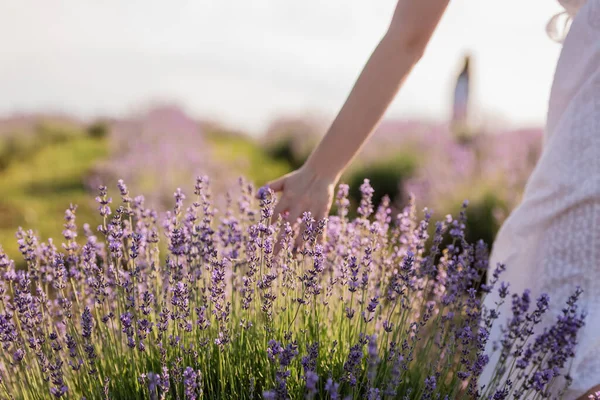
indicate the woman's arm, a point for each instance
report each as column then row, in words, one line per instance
column 400, row 49
column 311, row 187
column 591, row 393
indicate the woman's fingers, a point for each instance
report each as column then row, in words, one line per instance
column 278, row 184
column 293, row 216
column 290, row 216
column 282, row 207
column 295, row 213
column 318, row 214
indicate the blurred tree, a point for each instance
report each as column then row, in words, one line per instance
column 387, row 177
column 98, row 129
column 283, row 150
column 292, row 139
column 483, row 220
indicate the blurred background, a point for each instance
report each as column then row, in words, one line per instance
column 157, row 92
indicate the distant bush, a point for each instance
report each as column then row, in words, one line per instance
column 482, row 217
column 284, row 150
column 49, row 132
column 387, row 177
column 11, row 147
column 291, row 139
column 19, row 145
column 98, row 130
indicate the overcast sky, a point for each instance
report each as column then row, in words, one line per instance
column 246, row 61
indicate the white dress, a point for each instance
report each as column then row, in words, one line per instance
column 551, row 241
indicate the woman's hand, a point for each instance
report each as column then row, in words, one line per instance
column 303, row 190
column 311, row 187
column 591, row 394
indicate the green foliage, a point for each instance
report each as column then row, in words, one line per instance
column 284, row 150
column 19, row 146
column 386, row 177
column 482, row 222
column 98, row 130
column 246, row 157
column 37, row 190
column 13, row 147
column 487, row 207
column 49, row 132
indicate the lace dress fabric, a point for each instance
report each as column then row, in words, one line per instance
column 551, row 241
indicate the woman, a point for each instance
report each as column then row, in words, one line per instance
column 551, row 242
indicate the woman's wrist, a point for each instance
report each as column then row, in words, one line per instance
column 321, row 169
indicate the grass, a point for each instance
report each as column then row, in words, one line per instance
column 37, row 189
column 246, row 157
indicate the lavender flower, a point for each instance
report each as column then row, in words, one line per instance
column 366, row 204
column 190, row 383
column 331, row 388
column 153, row 384
column 87, row 323
column 365, row 312
column 311, row 384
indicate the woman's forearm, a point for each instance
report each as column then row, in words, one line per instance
column 374, row 90
column 391, row 62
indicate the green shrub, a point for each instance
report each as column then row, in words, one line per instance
column 36, row 190
column 18, row 146
column 486, row 208
column 283, row 150
column 98, row 130
column 386, row 178
column 482, row 222
column 49, row 132
column 244, row 156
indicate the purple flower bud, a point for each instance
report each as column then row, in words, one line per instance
column 503, row 291
column 153, row 383
column 87, row 323
column 262, row 192
column 18, row 355
column 332, row 389
column 311, row 384
column 190, row 383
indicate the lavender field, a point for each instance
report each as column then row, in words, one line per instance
column 161, row 279
column 49, row 161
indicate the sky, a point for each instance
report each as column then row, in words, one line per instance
column 245, row 62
